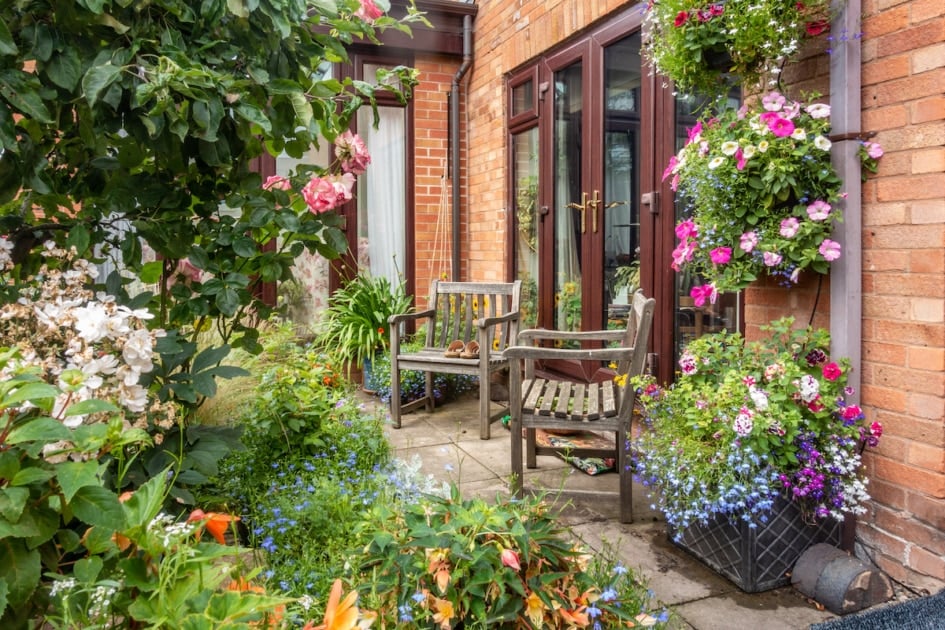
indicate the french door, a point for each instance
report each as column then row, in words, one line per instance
column 584, row 163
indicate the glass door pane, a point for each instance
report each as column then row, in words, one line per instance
column 525, row 182
column 620, row 208
column 570, row 199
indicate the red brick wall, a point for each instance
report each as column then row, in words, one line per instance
column 903, row 367
column 432, row 184
column 904, row 287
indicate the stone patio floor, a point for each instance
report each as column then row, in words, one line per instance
column 448, row 444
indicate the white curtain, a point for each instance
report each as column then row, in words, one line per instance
column 381, row 193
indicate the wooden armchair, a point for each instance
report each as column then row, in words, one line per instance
column 542, row 403
column 467, row 313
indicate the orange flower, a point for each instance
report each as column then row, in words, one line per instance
column 217, row 524
column 273, row 619
column 339, row 616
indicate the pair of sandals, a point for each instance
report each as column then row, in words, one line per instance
column 460, row 350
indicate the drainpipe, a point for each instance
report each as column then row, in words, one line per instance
column 846, row 294
column 454, row 141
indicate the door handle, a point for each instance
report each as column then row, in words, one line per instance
column 594, row 203
column 583, row 208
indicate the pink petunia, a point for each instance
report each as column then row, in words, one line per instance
column 748, row 241
column 831, row 371
column 693, row 134
column 686, row 229
column 873, row 149
column 771, row 259
column 773, row 101
column 819, row 210
column 720, row 255
column 702, row 293
column 673, row 162
column 781, row 127
column 789, row 227
column 830, row 250
column 683, row 254
column 740, row 160
column 767, row 117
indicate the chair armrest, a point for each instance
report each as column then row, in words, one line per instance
column 485, row 322
column 534, row 334
column 404, row 317
column 577, row 354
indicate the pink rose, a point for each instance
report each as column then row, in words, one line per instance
column 789, row 227
column 352, row 152
column 830, row 250
column 720, row 255
column 322, row 194
column 819, row 210
column 369, row 11
column 510, row 559
column 748, row 241
column 277, row 182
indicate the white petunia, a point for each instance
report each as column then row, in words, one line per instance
column 822, row 143
column 716, row 162
column 729, row 147
column 799, row 134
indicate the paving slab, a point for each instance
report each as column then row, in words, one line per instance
column 448, row 443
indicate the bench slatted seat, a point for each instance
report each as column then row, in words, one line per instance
column 546, row 403
column 487, row 313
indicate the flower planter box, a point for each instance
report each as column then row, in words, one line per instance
column 758, row 559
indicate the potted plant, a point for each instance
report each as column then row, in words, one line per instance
column 355, row 326
column 760, row 195
column 747, row 432
column 707, row 46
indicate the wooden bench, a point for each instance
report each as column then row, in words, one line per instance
column 559, row 404
column 487, row 313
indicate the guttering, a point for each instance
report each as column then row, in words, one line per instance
column 846, row 275
column 454, row 145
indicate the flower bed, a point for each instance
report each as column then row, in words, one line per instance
column 747, row 423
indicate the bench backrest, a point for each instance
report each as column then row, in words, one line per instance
column 459, row 305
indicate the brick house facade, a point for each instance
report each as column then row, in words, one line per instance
column 902, row 371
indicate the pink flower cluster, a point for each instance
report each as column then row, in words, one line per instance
column 323, row 193
column 702, row 15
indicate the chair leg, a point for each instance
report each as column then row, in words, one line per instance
column 395, row 392
column 430, row 398
column 626, row 478
column 484, row 396
column 532, row 461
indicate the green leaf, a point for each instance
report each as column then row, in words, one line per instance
column 12, row 502
column 210, row 357
column 30, row 391
column 30, row 475
column 23, row 92
column 7, row 47
column 44, row 429
column 151, row 272
column 19, row 570
column 228, row 301
column 92, row 405
column 79, row 238
column 237, row 8
column 97, row 506
column 75, row 475
column 302, row 108
column 97, row 79
column 64, row 69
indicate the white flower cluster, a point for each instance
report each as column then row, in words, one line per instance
column 87, row 344
column 170, row 532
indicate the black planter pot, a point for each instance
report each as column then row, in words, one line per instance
column 758, row 559
column 717, row 59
